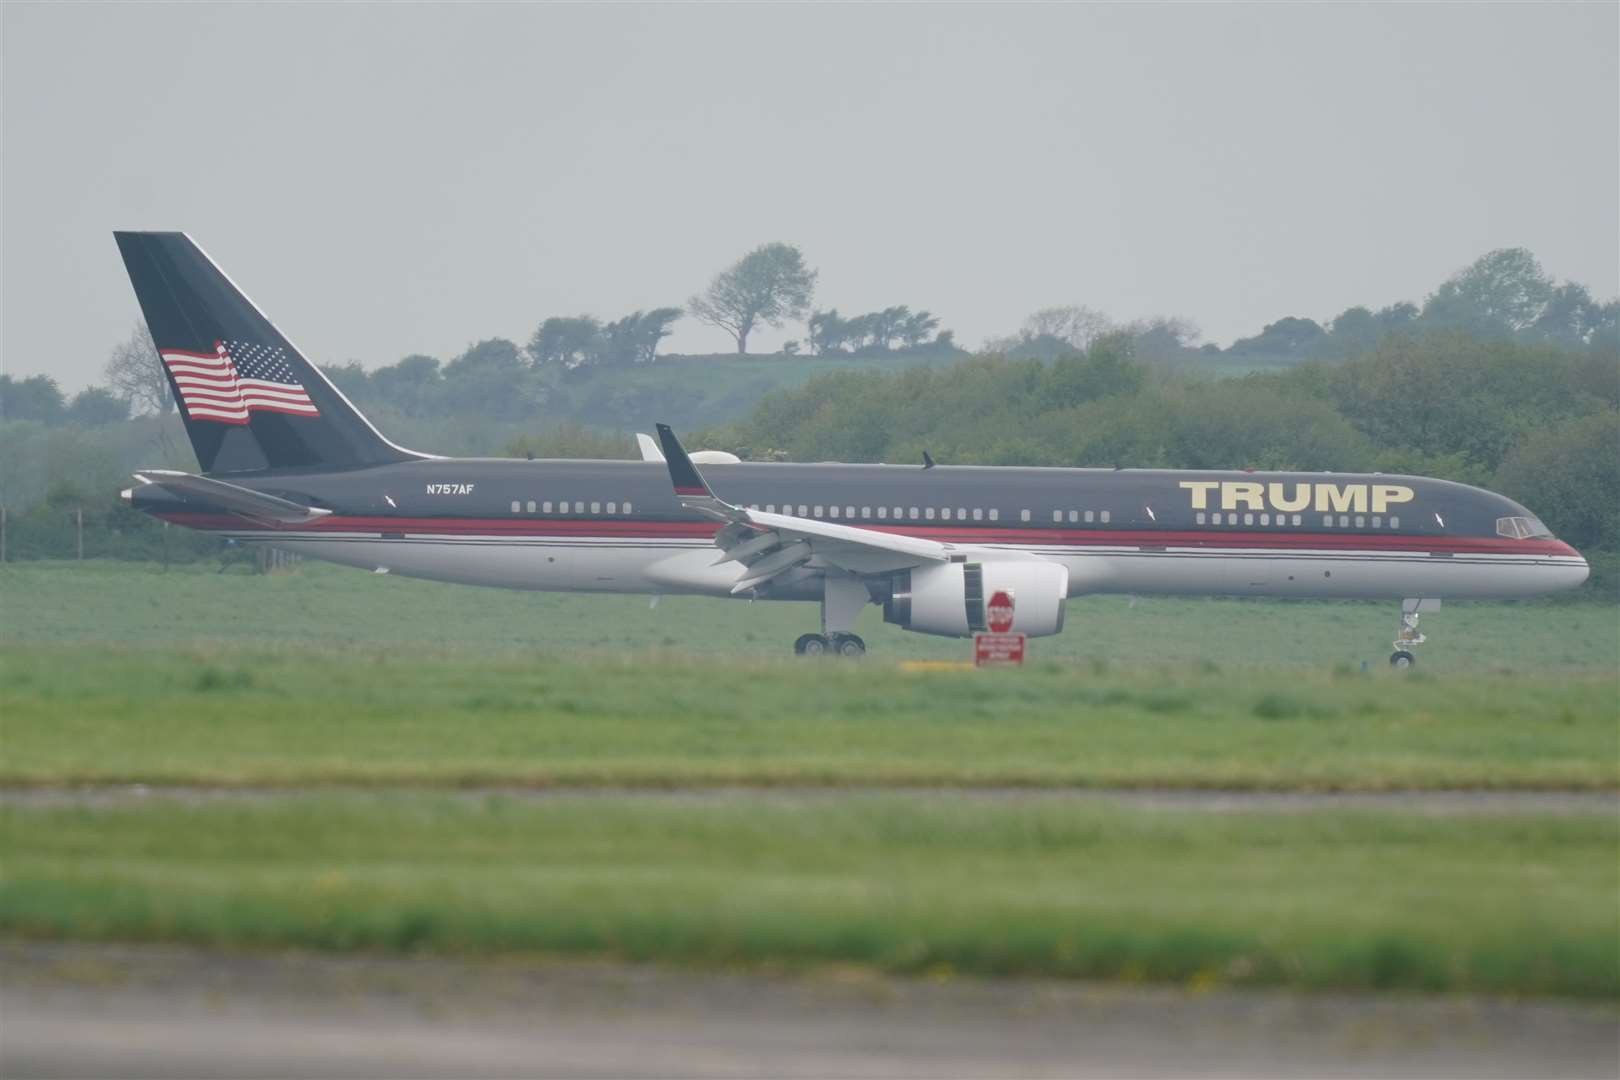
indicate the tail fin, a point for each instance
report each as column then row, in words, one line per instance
column 249, row 398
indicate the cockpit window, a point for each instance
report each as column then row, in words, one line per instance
column 1522, row 528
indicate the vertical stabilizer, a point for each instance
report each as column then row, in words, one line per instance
column 250, row 400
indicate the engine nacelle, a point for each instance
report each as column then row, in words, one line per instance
column 948, row 599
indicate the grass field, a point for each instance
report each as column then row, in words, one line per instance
column 322, row 606
column 917, row 883
column 324, row 680
column 359, row 715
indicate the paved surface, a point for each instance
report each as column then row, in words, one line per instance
column 78, row 1010
column 1428, row 803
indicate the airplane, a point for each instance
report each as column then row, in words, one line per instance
column 287, row 460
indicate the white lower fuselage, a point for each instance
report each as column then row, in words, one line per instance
column 608, row 564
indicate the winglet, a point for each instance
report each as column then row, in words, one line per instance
column 649, row 449
column 690, row 487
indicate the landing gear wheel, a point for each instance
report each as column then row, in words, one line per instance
column 1400, row 660
column 811, row 645
column 848, row 646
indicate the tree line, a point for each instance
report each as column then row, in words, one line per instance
column 1504, row 294
column 1537, row 422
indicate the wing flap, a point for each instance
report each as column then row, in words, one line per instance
column 769, row 545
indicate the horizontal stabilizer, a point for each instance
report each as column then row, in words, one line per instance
column 232, row 497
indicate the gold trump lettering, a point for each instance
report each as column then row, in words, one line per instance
column 1325, row 497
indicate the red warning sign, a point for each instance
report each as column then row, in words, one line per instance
column 994, row 650
column 999, row 612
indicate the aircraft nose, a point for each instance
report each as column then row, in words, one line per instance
column 1572, row 569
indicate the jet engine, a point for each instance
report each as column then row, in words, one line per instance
column 949, row 598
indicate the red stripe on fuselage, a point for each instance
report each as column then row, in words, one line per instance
column 653, row 529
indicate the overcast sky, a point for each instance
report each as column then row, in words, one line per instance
column 393, row 179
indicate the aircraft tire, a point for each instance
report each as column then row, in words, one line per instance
column 849, row 646
column 811, row 645
column 1401, row 660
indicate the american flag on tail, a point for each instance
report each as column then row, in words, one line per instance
column 237, row 378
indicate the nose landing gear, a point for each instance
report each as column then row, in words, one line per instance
column 1409, row 637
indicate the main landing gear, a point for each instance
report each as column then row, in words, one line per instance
column 842, row 599
column 846, row 645
column 1409, row 637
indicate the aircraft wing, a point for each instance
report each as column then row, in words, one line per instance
column 768, row 545
column 232, row 497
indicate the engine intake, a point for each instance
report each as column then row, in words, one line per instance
column 948, row 599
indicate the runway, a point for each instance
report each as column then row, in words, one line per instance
column 149, row 1011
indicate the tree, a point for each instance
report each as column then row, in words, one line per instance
column 1292, row 337
column 827, row 332
column 917, row 328
column 1162, row 338
column 411, row 386
column 34, row 398
column 1355, row 331
column 769, row 285
column 135, row 373
column 491, row 379
column 350, row 378
column 1571, row 317
column 97, row 407
column 566, row 341
column 650, row 328
column 1569, row 475
column 1055, row 331
column 1500, row 293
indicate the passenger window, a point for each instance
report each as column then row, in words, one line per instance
column 832, row 511
column 1248, row 519
column 1199, row 517
column 1023, row 515
column 1105, row 517
column 928, row 512
column 866, row 511
column 883, row 513
column 945, row 514
column 545, row 507
column 1091, row 515
column 1361, row 522
column 596, row 508
column 961, row 513
column 1344, row 521
column 1378, row 520
column 995, row 515
column 1265, row 519
column 978, row 514
column 579, row 508
column 1327, row 520
column 1217, row 517
column 803, row 511
column 913, row 513
column 1074, row 516
column 817, row 513
column 516, row 506
column 627, row 508
column 613, row 508
column 1300, row 521
column 1394, row 522
column 531, row 506
column 897, row 514
column 1057, row 516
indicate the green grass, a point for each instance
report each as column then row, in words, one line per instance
column 328, row 677
column 324, row 606
column 230, row 714
column 922, row 883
